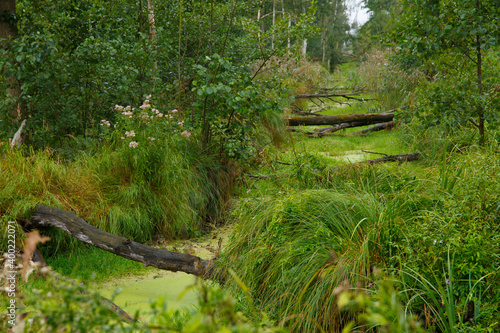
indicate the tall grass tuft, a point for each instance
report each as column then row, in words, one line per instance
column 437, row 294
column 169, row 192
column 293, row 252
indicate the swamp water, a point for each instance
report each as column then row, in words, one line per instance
column 136, row 292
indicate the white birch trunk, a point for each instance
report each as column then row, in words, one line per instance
column 274, row 22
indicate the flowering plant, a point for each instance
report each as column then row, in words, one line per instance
column 142, row 126
column 144, row 135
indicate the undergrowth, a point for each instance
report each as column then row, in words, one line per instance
column 428, row 224
column 294, row 251
column 109, row 190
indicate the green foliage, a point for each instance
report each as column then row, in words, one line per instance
column 74, row 62
column 332, row 20
column 229, row 106
column 413, row 217
column 430, row 27
column 391, row 84
column 437, row 293
column 451, row 39
column 293, row 252
column 216, row 312
column 451, row 98
column 90, row 265
column 383, row 17
column 161, row 187
column 378, row 306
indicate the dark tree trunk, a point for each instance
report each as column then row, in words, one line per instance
column 326, row 131
column 348, row 118
column 7, row 25
column 44, row 216
column 378, row 127
column 393, row 158
column 8, row 31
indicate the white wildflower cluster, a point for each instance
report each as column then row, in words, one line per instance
column 148, row 113
column 145, row 105
column 125, row 111
column 105, row 123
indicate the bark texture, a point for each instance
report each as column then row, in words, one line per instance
column 393, row 158
column 379, row 127
column 45, row 216
column 8, row 31
column 346, row 118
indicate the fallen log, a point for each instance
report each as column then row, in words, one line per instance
column 45, row 216
column 324, row 95
column 313, row 111
column 345, row 118
column 378, row 127
column 392, row 158
column 321, row 132
column 330, row 96
column 374, row 118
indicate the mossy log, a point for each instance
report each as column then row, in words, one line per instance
column 345, row 118
column 321, row 132
column 393, row 158
column 45, row 216
column 379, row 127
column 326, row 94
column 362, row 119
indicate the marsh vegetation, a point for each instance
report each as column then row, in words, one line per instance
column 163, row 122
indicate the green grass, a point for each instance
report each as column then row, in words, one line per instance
column 311, row 158
column 137, row 194
column 294, row 246
column 292, row 253
column 93, row 266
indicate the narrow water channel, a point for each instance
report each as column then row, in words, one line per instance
column 136, row 292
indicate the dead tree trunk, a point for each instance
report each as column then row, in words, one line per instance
column 393, row 158
column 325, row 131
column 45, row 216
column 372, row 118
column 8, row 32
column 378, row 127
